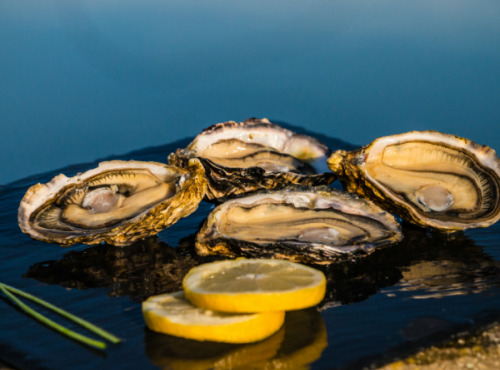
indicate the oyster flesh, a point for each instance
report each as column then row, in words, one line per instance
column 241, row 157
column 118, row 202
column 310, row 226
column 429, row 178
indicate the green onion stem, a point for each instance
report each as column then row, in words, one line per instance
column 8, row 292
column 87, row 325
column 63, row 330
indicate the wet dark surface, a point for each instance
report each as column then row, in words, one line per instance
column 401, row 297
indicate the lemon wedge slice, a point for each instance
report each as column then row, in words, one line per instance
column 173, row 314
column 254, row 285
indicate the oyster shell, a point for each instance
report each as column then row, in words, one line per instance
column 118, row 202
column 429, row 178
column 312, row 226
column 240, row 157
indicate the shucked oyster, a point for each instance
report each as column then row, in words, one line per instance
column 118, row 203
column 314, row 226
column 240, row 157
column 428, row 178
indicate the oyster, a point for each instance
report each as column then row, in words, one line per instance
column 118, row 202
column 311, row 226
column 429, row 178
column 241, row 157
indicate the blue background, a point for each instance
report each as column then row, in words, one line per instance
column 83, row 80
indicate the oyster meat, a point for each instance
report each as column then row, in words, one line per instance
column 241, row 157
column 429, row 178
column 311, row 226
column 118, row 202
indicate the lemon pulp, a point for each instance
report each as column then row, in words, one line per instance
column 254, row 285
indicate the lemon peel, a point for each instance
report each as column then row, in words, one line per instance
column 254, row 285
column 173, row 314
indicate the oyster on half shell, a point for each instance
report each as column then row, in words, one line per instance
column 118, row 202
column 241, row 157
column 310, row 226
column 429, row 178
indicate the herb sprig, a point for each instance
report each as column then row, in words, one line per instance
column 10, row 293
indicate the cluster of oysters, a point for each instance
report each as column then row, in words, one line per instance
column 273, row 193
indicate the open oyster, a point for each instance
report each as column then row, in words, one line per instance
column 240, row 157
column 312, row 226
column 118, row 202
column 428, row 178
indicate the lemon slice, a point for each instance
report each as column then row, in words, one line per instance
column 173, row 314
column 254, row 285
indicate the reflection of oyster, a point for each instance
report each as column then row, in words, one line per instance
column 436, row 279
column 117, row 203
column 240, row 157
column 446, row 272
column 315, row 226
column 432, row 179
column 424, row 264
column 147, row 267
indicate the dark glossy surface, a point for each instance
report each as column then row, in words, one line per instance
column 416, row 293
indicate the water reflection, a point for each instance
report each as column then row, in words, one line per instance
column 447, row 265
column 427, row 263
column 296, row 345
column 140, row 270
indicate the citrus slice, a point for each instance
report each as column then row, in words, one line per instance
column 254, row 285
column 173, row 314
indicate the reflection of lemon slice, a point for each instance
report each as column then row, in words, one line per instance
column 304, row 342
column 173, row 314
column 298, row 344
column 254, row 285
column 174, row 353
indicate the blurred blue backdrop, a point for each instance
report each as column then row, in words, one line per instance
column 86, row 79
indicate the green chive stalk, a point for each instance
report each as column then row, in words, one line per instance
column 8, row 292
